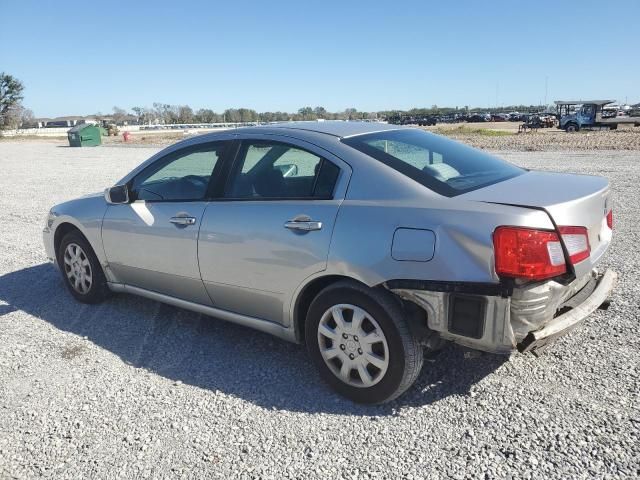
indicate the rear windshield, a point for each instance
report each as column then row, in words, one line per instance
column 446, row 167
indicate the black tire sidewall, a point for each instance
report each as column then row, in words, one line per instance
column 392, row 380
column 99, row 289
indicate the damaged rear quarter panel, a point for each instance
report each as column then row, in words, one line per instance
column 361, row 246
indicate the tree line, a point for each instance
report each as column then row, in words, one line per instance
column 162, row 113
column 175, row 114
column 13, row 113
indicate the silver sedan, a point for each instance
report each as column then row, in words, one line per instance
column 370, row 243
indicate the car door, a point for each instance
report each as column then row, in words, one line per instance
column 587, row 114
column 273, row 227
column 151, row 242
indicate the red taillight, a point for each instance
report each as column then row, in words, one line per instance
column 528, row 253
column 610, row 219
column 576, row 241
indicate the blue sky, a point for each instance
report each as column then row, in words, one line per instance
column 85, row 57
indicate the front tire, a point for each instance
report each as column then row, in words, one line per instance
column 572, row 127
column 81, row 269
column 361, row 344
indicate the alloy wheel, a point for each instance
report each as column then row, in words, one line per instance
column 78, row 268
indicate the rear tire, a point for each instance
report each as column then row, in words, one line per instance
column 369, row 355
column 81, row 269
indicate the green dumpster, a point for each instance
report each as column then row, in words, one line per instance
column 84, row 135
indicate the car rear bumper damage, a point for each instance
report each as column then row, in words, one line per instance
column 501, row 318
column 602, row 285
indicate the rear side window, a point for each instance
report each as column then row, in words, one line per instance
column 277, row 170
column 446, row 167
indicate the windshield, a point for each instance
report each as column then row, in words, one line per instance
column 446, row 167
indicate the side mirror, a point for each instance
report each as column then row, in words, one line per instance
column 117, row 195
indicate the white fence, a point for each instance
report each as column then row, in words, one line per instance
column 40, row 132
column 134, row 129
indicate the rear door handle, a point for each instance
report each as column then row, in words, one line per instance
column 183, row 220
column 303, row 225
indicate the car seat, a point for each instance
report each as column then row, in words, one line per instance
column 270, row 183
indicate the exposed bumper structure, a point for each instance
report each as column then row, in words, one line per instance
column 566, row 322
column 500, row 322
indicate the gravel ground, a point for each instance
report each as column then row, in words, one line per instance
column 545, row 139
column 135, row 389
column 479, row 135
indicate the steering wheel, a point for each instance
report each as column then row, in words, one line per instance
column 195, row 180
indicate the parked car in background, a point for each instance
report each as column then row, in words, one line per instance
column 499, row 117
column 371, row 243
column 427, row 120
column 479, row 117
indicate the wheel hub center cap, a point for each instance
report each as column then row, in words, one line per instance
column 351, row 346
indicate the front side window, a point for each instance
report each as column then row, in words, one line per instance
column 446, row 167
column 278, row 170
column 180, row 176
column 587, row 110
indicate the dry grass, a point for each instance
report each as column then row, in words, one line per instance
column 466, row 130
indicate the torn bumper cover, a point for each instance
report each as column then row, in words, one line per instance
column 565, row 322
column 499, row 320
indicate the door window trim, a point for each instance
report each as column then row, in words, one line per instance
column 235, row 165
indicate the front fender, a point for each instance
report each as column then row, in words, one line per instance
column 86, row 215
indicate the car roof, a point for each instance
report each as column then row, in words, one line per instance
column 336, row 128
column 322, row 134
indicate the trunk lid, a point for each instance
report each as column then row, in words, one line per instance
column 569, row 199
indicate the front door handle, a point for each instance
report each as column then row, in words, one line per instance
column 184, row 221
column 303, row 225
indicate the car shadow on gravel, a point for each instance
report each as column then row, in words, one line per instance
column 219, row 356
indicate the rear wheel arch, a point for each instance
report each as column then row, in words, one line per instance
column 416, row 315
column 309, row 292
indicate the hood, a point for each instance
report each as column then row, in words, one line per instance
column 92, row 195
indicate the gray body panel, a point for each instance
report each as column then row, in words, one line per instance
column 240, row 263
column 251, row 264
column 84, row 213
column 463, row 252
column 145, row 250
